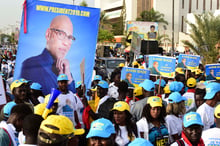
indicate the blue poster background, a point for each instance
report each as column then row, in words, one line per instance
column 192, row 61
column 85, row 22
column 160, row 65
column 214, row 67
column 138, row 75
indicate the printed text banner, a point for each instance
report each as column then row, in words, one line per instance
column 188, row 61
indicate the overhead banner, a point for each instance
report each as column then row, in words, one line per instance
column 146, row 30
column 212, row 71
column 136, row 43
column 162, row 66
column 58, row 37
column 188, row 61
column 134, row 76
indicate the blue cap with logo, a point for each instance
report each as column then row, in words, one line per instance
column 148, row 85
column 23, row 80
column 36, row 86
column 103, row 84
column 176, row 97
column 192, row 118
column 101, row 128
column 211, row 89
column 62, row 77
column 162, row 82
column 78, row 84
column 176, row 86
column 98, row 77
column 140, row 142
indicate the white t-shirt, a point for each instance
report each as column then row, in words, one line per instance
column 113, row 91
column 67, row 105
column 190, row 102
column 79, row 108
column 142, row 126
column 176, row 144
column 174, row 126
column 207, row 115
column 40, row 99
column 211, row 137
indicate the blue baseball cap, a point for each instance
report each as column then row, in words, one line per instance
column 101, row 128
column 98, row 77
column 62, row 77
column 192, row 118
column 140, row 56
column 148, row 85
column 211, row 89
column 36, row 86
column 176, row 86
column 176, row 97
column 78, row 84
column 103, row 84
column 140, row 142
column 7, row 108
column 162, row 82
column 23, row 80
column 3, row 60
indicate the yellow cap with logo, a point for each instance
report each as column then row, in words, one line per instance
column 154, row 101
column 121, row 106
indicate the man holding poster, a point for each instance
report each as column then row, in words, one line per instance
column 45, row 67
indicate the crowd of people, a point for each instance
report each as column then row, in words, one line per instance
column 159, row 111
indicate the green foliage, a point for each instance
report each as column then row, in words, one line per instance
column 83, row 3
column 205, row 35
column 118, row 28
column 105, row 35
column 152, row 16
column 163, row 38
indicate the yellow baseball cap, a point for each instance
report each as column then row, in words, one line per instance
column 121, row 106
column 16, row 84
column 217, row 78
column 39, row 109
column 47, row 98
column 217, row 111
column 64, row 126
column 198, row 71
column 179, row 70
column 166, row 89
column 191, row 82
column 121, row 65
column 141, row 67
column 138, row 91
column 154, row 101
column 135, row 63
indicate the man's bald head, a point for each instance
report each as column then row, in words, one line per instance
column 58, row 36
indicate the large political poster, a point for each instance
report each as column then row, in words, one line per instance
column 134, row 76
column 162, row 66
column 146, row 30
column 58, row 37
column 212, row 71
column 188, row 61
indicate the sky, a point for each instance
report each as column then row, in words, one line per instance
column 11, row 11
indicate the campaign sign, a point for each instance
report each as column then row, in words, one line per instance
column 188, row 61
column 146, row 30
column 162, row 66
column 58, row 37
column 134, row 76
column 212, row 71
column 136, row 43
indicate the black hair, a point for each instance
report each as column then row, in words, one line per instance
column 180, row 78
column 22, row 110
column 152, row 26
column 123, row 86
column 114, row 73
column 201, row 92
column 129, row 124
column 147, row 115
column 31, row 124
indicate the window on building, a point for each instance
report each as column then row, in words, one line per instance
column 203, row 5
column 210, row 4
column 183, row 4
column 197, row 4
column 182, row 23
column 190, row 6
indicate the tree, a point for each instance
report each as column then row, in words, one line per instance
column 83, row 3
column 163, row 38
column 152, row 16
column 205, row 35
column 105, row 35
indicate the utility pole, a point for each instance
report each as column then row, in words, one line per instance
column 172, row 53
column 123, row 15
column 73, row 2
